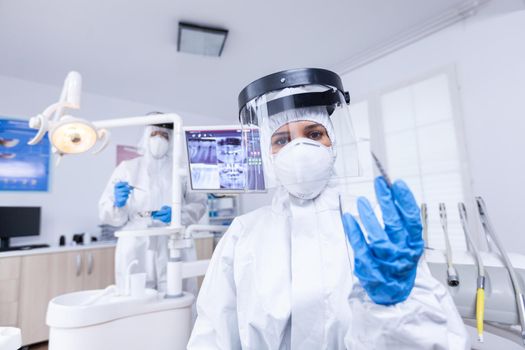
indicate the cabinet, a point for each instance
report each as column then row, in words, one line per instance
column 37, row 278
column 99, row 268
column 204, row 250
column 9, row 287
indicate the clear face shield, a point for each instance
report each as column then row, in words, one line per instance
column 306, row 135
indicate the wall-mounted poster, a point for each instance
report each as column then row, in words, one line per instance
column 22, row 167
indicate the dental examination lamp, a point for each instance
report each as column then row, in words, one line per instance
column 72, row 135
column 68, row 134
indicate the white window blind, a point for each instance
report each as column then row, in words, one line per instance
column 420, row 146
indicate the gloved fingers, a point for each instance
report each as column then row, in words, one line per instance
column 393, row 222
column 379, row 242
column 408, row 208
column 121, row 199
column 159, row 217
column 398, row 267
column 157, row 214
column 164, row 218
column 123, row 192
column 122, row 188
column 122, row 184
column 166, row 209
column 355, row 235
column 367, row 271
column 163, row 214
column 376, row 234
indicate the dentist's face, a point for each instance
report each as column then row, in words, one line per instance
column 306, row 129
column 164, row 134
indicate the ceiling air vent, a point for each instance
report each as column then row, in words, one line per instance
column 201, row 40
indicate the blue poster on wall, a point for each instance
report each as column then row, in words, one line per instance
column 22, row 167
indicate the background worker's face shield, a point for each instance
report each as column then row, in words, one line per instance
column 306, row 136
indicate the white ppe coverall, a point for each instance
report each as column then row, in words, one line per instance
column 152, row 178
column 281, row 278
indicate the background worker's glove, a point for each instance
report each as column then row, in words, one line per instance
column 164, row 214
column 122, row 191
column 386, row 265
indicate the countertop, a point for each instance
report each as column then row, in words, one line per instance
column 57, row 249
column 70, row 248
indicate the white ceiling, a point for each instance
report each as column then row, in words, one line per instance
column 127, row 48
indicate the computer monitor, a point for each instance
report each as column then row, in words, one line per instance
column 18, row 222
column 224, row 159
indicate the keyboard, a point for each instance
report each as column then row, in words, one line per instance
column 24, row 247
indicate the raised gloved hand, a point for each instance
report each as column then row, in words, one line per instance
column 164, row 214
column 122, row 191
column 386, row 265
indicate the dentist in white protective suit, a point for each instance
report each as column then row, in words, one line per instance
column 299, row 274
column 138, row 195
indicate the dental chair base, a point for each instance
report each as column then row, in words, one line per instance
column 150, row 322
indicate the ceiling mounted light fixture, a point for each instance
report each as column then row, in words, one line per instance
column 201, row 40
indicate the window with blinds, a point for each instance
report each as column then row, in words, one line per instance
column 413, row 130
column 420, row 145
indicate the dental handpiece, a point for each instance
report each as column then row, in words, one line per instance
column 480, row 292
column 452, row 274
column 489, row 230
column 133, row 187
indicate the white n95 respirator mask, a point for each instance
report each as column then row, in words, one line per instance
column 304, row 167
column 158, row 146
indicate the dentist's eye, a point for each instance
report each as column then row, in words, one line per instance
column 316, row 135
column 280, row 141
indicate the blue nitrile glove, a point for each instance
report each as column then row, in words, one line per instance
column 122, row 191
column 386, row 265
column 164, row 214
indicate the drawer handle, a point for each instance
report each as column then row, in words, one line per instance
column 90, row 264
column 79, row 265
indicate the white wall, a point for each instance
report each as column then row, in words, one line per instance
column 488, row 52
column 70, row 205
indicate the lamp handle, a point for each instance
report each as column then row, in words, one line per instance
column 103, row 136
column 40, row 122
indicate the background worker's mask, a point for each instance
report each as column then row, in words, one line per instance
column 304, row 167
column 158, row 146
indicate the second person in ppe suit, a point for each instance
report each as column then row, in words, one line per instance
column 137, row 196
column 280, row 277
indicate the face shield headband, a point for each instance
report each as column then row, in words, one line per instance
column 333, row 97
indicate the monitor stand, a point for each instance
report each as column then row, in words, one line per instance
column 5, row 246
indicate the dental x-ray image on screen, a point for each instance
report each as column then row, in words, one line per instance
column 224, row 160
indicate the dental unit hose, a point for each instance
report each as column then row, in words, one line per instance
column 489, row 229
column 452, row 274
column 480, row 292
column 424, row 220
